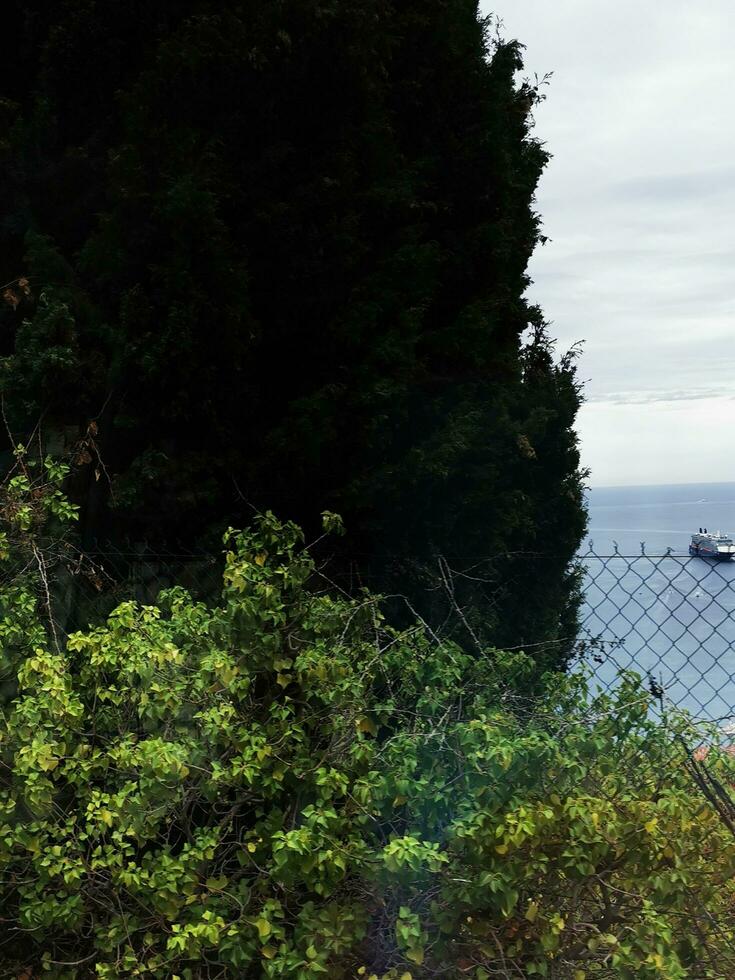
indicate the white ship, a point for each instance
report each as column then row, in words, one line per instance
column 707, row 545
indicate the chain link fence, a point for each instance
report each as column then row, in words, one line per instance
column 668, row 617
column 89, row 584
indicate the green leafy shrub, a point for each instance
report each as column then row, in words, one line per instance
column 282, row 786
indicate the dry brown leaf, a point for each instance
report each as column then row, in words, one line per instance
column 11, row 298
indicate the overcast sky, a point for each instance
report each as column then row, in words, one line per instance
column 639, row 203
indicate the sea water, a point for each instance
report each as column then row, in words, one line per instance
column 650, row 606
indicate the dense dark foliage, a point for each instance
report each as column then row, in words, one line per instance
column 277, row 251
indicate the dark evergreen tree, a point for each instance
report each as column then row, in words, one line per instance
column 278, row 251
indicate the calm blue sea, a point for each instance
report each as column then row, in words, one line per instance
column 671, row 616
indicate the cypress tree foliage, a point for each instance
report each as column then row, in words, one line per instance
column 278, row 253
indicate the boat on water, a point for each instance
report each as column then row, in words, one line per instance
column 705, row 544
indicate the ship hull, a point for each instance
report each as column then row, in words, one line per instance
column 703, row 553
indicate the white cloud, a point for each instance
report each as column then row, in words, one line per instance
column 638, row 202
column 685, row 441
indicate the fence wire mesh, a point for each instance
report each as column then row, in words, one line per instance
column 669, row 617
column 89, row 584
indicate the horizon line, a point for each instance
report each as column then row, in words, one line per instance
column 632, row 486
